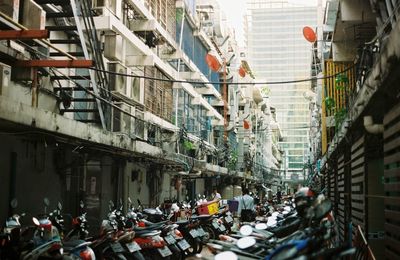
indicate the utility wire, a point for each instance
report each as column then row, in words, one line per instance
column 229, row 83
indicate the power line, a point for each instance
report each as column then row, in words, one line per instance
column 229, row 83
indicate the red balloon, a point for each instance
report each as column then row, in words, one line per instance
column 246, row 125
column 309, row 34
column 242, row 72
column 212, row 62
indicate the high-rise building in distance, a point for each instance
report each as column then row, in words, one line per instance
column 278, row 52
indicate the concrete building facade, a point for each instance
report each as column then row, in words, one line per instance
column 115, row 100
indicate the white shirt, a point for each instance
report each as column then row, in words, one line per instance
column 217, row 196
column 248, row 202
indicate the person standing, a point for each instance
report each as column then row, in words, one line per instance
column 216, row 195
column 246, row 207
column 279, row 196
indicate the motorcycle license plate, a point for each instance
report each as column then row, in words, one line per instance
column 228, row 219
column 201, row 232
column 215, row 225
column 222, row 228
column 164, row 252
column 183, row 244
column 117, row 247
column 133, row 247
column 194, row 233
column 170, row 240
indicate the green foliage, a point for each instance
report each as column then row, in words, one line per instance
column 341, row 81
column 265, row 91
column 189, row 145
column 232, row 160
column 329, row 103
column 179, row 14
column 341, row 78
column 339, row 116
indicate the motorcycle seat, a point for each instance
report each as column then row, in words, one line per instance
column 148, row 228
column 200, row 217
column 182, row 222
column 71, row 245
column 147, row 233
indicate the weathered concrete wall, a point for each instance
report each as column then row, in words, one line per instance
column 135, row 183
column 35, row 176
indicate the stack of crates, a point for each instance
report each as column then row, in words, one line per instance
column 208, row 208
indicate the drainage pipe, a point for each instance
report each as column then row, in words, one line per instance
column 371, row 127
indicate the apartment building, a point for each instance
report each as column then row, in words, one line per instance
column 105, row 100
column 360, row 121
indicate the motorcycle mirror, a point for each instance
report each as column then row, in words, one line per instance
column 246, row 242
column 59, row 206
column 322, row 209
column 129, row 201
column 246, row 230
column 46, row 201
column 14, row 203
column 261, row 226
column 226, row 255
column 35, row 221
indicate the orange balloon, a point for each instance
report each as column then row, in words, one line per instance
column 212, row 62
column 309, row 34
column 242, row 72
column 246, row 125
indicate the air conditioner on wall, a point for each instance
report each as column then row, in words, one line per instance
column 114, row 6
column 121, row 122
column 118, row 83
column 113, row 47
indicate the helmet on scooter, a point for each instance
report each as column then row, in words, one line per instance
column 303, row 199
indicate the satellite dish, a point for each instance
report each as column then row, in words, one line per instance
column 246, row 124
column 212, row 62
column 309, row 34
column 242, row 72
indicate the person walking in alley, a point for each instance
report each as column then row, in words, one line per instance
column 216, row 195
column 246, row 207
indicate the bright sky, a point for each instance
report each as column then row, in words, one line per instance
column 235, row 9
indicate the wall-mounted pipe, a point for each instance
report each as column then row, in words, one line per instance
column 371, row 127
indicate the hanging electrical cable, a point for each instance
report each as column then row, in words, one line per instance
column 230, row 83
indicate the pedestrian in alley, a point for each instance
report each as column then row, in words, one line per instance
column 279, row 196
column 246, row 207
column 216, row 195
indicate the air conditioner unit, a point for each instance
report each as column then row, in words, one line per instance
column 121, row 122
column 10, row 8
column 113, row 47
column 118, row 83
column 114, row 6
